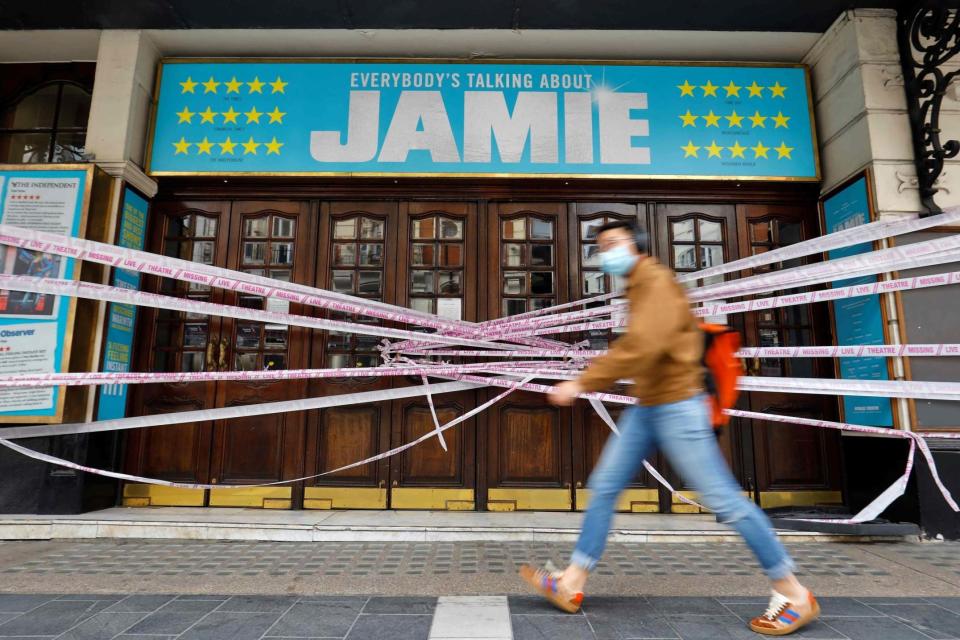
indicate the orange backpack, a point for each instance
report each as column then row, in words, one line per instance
column 723, row 368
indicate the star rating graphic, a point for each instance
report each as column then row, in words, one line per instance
column 709, row 90
column 223, row 105
column 736, row 150
column 24, row 197
column 713, row 119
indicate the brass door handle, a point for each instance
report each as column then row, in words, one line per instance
column 222, row 358
column 754, row 367
column 211, row 345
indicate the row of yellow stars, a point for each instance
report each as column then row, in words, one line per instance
column 735, row 120
column 233, row 85
column 737, row 150
column 777, row 90
column 226, row 147
column 230, row 116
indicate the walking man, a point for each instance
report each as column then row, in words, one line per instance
column 661, row 353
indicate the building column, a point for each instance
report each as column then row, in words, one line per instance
column 120, row 107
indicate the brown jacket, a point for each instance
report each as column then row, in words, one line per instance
column 662, row 347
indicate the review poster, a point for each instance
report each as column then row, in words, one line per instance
column 857, row 320
column 122, row 318
column 35, row 328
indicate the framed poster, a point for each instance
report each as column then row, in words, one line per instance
column 857, row 321
column 122, row 318
column 36, row 330
column 459, row 118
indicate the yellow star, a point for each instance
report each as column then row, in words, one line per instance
column 256, row 86
column 783, row 151
column 250, row 146
column 230, row 116
column 709, row 89
column 210, row 86
column 736, row 151
column 181, row 146
column 233, row 86
column 758, row 120
column 273, row 146
column 760, row 151
column 204, row 146
column 756, row 91
column 734, row 120
column 777, row 90
column 712, row 120
column 227, row 146
column 186, row 116
column 732, row 90
column 781, row 120
column 689, row 120
column 714, row 149
column 208, row 116
column 690, row 150
column 686, row 89
column 278, row 85
column 188, row 85
column 276, row 115
column 253, row 115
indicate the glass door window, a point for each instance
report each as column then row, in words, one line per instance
column 528, row 263
column 357, row 268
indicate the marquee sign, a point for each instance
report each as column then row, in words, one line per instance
column 456, row 119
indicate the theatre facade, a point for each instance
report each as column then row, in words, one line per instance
column 470, row 189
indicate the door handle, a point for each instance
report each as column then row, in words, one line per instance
column 222, row 358
column 754, row 367
column 211, row 365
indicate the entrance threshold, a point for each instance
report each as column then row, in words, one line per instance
column 187, row 523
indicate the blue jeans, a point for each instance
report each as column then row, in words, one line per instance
column 682, row 431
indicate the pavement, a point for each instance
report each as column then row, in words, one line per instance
column 135, row 589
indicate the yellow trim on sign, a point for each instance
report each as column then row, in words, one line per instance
column 529, row 500
column 255, row 497
column 151, row 495
column 441, row 499
column 554, row 61
column 631, row 500
column 344, row 498
column 774, row 499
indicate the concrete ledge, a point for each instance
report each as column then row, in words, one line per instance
column 373, row 526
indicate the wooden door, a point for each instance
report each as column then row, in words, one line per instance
column 792, row 465
column 529, row 458
column 271, row 239
column 436, row 273
column 178, row 341
column 356, row 255
column 692, row 237
column 590, row 432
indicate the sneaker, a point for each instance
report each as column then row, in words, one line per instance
column 782, row 617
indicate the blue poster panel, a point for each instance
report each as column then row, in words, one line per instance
column 34, row 327
column 456, row 118
column 857, row 320
column 121, row 318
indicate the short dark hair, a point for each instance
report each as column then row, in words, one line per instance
column 629, row 225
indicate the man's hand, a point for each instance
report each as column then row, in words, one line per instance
column 565, row 393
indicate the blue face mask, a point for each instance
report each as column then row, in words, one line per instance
column 618, row 261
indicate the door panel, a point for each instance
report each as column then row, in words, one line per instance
column 357, row 242
column 793, row 465
column 528, row 452
column 179, row 342
column 590, row 432
column 438, row 248
column 693, row 237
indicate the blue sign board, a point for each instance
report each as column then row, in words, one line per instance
column 122, row 317
column 34, row 328
column 456, row 119
column 857, row 320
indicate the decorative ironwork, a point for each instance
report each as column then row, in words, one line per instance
column 928, row 35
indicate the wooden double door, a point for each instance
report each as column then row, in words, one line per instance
column 464, row 259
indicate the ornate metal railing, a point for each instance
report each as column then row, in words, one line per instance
column 928, row 34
